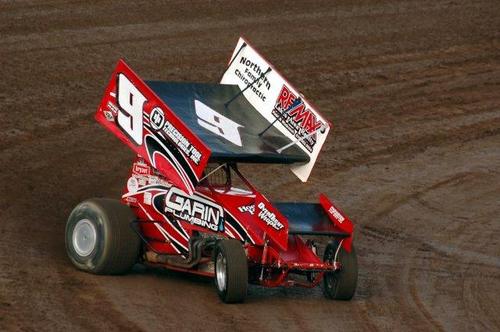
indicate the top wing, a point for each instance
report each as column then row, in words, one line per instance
column 231, row 133
column 179, row 127
column 255, row 115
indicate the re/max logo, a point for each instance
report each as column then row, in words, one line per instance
column 299, row 114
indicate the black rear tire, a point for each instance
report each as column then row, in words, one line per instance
column 231, row 271
column 340, row 285
column 99, row 238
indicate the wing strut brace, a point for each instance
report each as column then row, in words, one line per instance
column 322, row 128
column 249, row 85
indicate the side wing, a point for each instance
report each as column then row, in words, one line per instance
column 279, row 103
column 135, row 114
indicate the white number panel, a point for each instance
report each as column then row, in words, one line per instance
column 217, row 123
column 130, row 101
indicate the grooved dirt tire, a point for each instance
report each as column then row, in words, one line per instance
column 99, row 238
column 340, row 285
column 231, row 271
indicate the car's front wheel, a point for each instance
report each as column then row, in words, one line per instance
column 99, row 238
column 231, row 271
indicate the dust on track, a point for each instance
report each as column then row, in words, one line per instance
column 414, row 158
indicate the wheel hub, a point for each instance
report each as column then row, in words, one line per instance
column 84, row 237
column 220, row 271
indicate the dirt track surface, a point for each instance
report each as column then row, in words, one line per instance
column 412, row 88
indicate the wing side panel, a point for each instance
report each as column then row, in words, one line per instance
column 141, row 120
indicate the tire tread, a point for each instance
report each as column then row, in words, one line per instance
column 237, row 271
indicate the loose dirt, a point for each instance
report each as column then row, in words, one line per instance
column 412, row 88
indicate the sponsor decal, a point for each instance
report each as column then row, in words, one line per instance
column 247, row 208
column 195, row 210
column 158, row 180
column 296, row 117
column 157, row 118
column 148, row 198
column 132, row 184
column 182, row 142
column 146, row 175
column 248, row 72
column 254, row 71
column 108, row 115
column 143, row 180
column 141, row 169
column 269, row 217
column 132, row 200
column 112, row 108
column 336, row 214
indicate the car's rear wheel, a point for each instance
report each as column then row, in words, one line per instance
column 99, row 238
column 231, row 271
column 341, row 284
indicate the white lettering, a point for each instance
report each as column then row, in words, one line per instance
column 194, row 209
column 336, row 214
column 130, row 101
column 217, row 123
column 269, row 218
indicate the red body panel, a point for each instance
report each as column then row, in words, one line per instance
column 168, row 230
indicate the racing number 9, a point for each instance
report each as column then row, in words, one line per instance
column 217, row 123
column 130, row 102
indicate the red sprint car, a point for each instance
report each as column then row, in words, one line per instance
column 187, row 207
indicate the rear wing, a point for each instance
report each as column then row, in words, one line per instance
column 135, row 114
column 279, row 103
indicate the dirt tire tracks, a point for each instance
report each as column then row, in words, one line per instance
column 410, row 86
